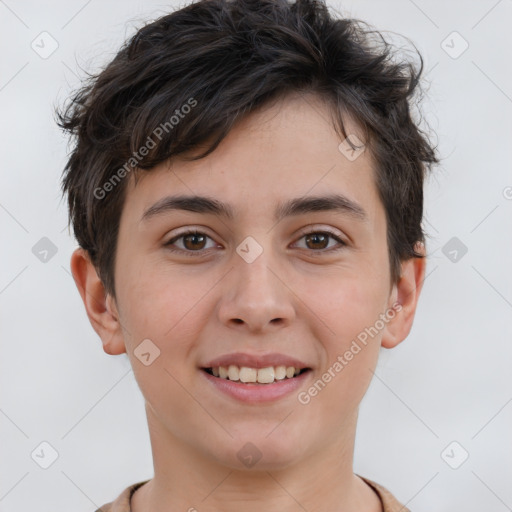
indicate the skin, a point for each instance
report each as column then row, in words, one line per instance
column 299, row 298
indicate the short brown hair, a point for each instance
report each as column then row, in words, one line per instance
column 231, row 57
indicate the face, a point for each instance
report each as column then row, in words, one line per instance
column 282, row 281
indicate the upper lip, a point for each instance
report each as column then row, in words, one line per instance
column 255, row 360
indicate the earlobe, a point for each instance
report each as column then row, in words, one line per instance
column 405, row 295
column 100, row 306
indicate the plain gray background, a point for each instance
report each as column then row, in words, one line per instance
column 450, row 381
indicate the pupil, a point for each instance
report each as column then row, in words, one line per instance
column 193, row 236
column 315, row 237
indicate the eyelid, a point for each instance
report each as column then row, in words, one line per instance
column 199, row 230
column 314, row 228
column 189, row 229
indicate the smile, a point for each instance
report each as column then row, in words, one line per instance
column 248, row 375
column 248, row 387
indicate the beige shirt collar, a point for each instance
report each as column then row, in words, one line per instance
column 122, row 503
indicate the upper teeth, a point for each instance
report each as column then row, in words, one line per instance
column 260, row 375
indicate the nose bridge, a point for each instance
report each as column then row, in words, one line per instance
column 255, row 294
column 257, row 279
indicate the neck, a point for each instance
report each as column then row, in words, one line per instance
column 189, row 480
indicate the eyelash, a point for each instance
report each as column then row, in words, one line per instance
column 201, row 252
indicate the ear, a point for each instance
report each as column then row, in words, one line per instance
column 100, row 307
column 405, row 295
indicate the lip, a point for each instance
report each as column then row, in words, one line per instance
column 257, row 393
column 255, row 360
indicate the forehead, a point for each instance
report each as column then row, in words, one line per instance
column 287, row 149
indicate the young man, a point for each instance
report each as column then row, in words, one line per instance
column 246, row 187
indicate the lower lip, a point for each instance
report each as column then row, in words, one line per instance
column 257, row 393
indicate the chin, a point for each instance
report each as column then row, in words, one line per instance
column 261, row 452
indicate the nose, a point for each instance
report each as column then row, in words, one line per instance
column 256, row 296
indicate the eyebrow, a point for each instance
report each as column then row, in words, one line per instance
column 207, row 205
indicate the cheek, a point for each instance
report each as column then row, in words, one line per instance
column 351, row 305
column 350, row 309
column 168, row 313
column 351, row 353
column 160, row 306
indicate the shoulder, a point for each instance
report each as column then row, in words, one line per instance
column 389, row 502
column 122, row 502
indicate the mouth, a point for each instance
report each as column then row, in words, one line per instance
column 250, row 385
column 256, row 376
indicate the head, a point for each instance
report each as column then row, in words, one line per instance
column 266, row 108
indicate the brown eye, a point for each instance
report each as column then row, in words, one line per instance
column 320, row 240
column 194, row 241
column 189, row 242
